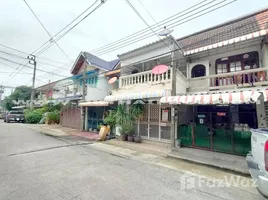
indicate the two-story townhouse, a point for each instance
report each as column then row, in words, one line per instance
column 138, row 82
column 226, row 73
column 92, row 69
column 220, row 74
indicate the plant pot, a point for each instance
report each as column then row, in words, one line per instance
column 130, row 138
column 137, row 139
column 123, row 137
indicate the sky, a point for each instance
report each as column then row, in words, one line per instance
column 114, row 20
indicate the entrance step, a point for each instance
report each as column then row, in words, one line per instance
column 223, row 161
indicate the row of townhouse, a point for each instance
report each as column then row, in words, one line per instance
column 213, row 92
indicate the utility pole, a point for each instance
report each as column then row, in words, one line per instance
column 2, row 89
column 83, row 109
column 173, row 93
column 32, row 62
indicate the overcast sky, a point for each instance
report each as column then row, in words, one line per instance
column 114, row 20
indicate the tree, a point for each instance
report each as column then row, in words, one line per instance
column 20, row 93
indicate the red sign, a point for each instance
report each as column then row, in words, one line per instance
column 221, row 114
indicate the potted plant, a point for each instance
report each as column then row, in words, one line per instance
column 127, row 129
column 110, row 120
column 137, row 113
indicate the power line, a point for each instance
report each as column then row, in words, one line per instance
column 49, row 41
column 23, row 52
column 15, row 55
column 139, row 15
column 127, row 43
column 30, row 67
column 51, row 38
column 143, row 31
column 19, row 73
column 61, row 36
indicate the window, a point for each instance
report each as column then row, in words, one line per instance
column 221, row 68
column 236, row 63
column 198, row 71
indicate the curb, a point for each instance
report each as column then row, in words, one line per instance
column 235, row 171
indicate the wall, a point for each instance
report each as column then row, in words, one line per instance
column 265, row 55
column 215, row 54
column 98, row 92
column 146, row 52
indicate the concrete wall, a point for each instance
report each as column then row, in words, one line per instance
column 98, row 92
column 210, row 57
column 265, row 55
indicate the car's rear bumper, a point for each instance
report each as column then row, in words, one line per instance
column 256, row 174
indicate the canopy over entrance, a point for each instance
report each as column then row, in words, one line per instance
column 138, row 95
column 94, row 103
column 243, row 97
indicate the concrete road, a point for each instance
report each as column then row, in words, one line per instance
column 36, row 166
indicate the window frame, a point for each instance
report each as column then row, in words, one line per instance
column 252, row 57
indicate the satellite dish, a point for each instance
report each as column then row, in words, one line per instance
column 165, row 32
column 112, row 80
column 159, row 69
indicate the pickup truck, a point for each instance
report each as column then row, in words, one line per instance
column 15, row 116
column 257, row 160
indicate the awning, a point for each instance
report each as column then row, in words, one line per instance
column 94, row 103
column 139, row 95
column 243, row 97
column 227, row 42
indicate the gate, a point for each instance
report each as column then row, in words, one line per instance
column 218, row 128
column 151, row 125
column 71, row 117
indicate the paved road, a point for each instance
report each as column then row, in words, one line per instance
column 36, row 166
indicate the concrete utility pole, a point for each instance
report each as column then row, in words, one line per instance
column 32, row 62
column 2, row 89
column 173, row 93
column 83, row 111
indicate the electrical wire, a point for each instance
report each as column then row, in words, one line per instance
column 143, row 31
column 48, row 42
column 172, row 25
column 30, row 67
column 61, row 36
column 127, row 43
column 144, row 21
column 51, row 38
column 23, row 52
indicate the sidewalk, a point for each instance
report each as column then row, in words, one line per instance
column 60, row 131
column 214, row 159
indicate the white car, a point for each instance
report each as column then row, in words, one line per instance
column 257, row 159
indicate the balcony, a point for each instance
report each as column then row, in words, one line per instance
column 232, row 80
column 146, row 77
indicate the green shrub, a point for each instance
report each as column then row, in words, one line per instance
column 54, row 117
column 33, row 116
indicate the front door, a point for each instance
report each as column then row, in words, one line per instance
column 95, row 117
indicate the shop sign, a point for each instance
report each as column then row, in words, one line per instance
column 201, row 116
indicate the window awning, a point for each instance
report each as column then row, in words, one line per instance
column 139, row 95
column 243, row 97
column 94, row 103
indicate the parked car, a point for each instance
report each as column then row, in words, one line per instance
column 15, row 116
column 257, row 160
